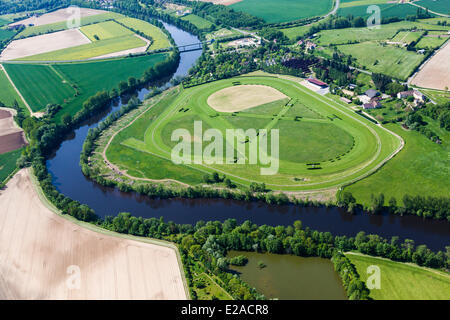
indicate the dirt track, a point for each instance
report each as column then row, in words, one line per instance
column 37, row 247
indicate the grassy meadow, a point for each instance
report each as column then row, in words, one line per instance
column 105, row 30
column 197, row 21
column 421, row 168
column 160, row 39
column 8, row 94
column 8, row 163
column 401, row 281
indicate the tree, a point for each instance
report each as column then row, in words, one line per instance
column 66, row 119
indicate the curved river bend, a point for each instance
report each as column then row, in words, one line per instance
column 68, row 179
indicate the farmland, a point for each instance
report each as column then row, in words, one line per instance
column 421, row 160
column 8, row 94
column 39, row 85
column 401, row 281
column 8, row 163
column 435, row 74
column 59, row 26
column 91, row 50
column 197, row 21
column 331, row 142
column 396, row 62
column 105, row 30
column 388, row 10
column 159, row 38
column 431, row 41
column 273, row 11
column 439, row 6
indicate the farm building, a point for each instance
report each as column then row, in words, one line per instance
column 371, row 93
column 346, row 100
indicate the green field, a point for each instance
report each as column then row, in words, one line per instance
column 390, row 60
column 89, row 78
column 3, row 21
column 90, row 50
column 8, row 94
column 37, row 30
column 105, row 30
column 407, row 36
column 294, row 32
column 421, row 168
column 197, row 21
column 39, row 85
column 388, row 10
column 439, row 6
column 6, row 34
column 273, row 11
column 401, row 281
column 346, row 145
column 8, row 163
column 431, row 42
column 160, row 39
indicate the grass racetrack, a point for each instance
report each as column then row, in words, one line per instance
column 401, row 281
column 313, row 129
column 276, row 11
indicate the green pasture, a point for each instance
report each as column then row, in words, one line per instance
column 40, row 85
column 439, row 6
column 420, row 168
column 347, row 146
column 402, row 281
column 276, row 11
column 388, row 10
column 5, row 34
column 407, row 36
column 431, row 42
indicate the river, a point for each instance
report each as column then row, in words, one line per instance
column 69, row 180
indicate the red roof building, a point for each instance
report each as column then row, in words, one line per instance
column 317, row 82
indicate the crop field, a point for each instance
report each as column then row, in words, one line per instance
column 39, row 85
column 58, row 26
column 273, row 11
column 8, row 94
column 424, row 162
column 5, row 34
column 439, row 6
column 160, row 39
column 105, row 30
column 435, row 73
column 197, row 21
column 8, row 163
column 401, row 281
column 396, row 62
column 90, row 50
column 91, row 77
column 3, row 21
column 321, row 144
column 388, row 10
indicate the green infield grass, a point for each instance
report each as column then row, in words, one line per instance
column 8, row 94
column 39, row 85
column 420, row 168
column 322, row 143
column 197, row 21
column 159, row 38
column 90, row 50
column 391, row 60
column 105, row 30
column 276, row 11
column 402, row 281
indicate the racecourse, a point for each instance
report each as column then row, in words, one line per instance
column 322, row 144
column 46, row 256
